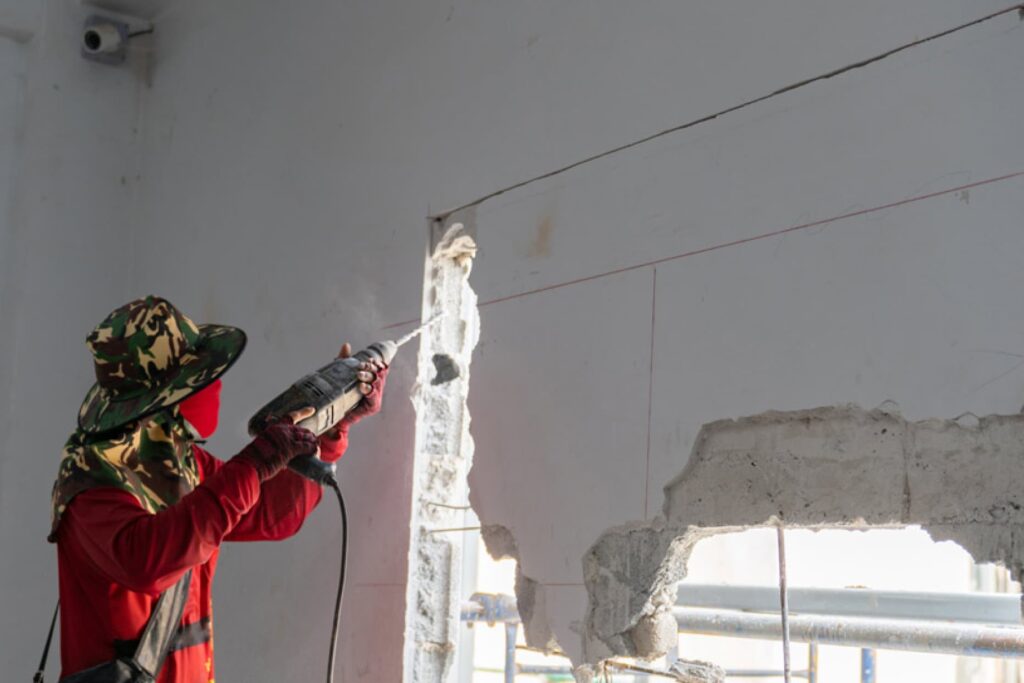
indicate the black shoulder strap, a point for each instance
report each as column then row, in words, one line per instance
column 38, row 678
column 156, row 636
column 161, row 627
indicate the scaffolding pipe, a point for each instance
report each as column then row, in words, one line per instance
column 868, row 665
column 885, row 634
column 977, row 608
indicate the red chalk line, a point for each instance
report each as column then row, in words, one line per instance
column 735, row 243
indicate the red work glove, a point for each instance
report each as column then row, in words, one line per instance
column 371, row 403
column 372, row 375
column 273, row 449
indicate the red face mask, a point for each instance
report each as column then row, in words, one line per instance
column 202, row 409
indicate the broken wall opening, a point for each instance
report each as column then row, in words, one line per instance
column 835, row 467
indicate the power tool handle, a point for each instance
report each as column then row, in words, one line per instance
column 313, row 468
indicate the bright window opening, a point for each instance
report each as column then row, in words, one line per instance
column 900, row 563
column 877, row 560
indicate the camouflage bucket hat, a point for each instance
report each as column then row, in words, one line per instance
column 148, row 357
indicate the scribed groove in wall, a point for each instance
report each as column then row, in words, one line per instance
column 737, row 107
column 443, row 455
column 760, row 236
column 745, row 240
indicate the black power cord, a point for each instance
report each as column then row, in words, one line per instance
column 38, row 678
column 341, row 580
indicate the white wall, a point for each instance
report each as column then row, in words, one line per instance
column 13, row 56
column 291, row 151
column 12, row 82
column 66, row 246
column 17, row 19
column 12, row 87
column 574, row 419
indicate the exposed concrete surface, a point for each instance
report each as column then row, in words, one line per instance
column 694, row 671
column 499, row 541
column 961, row 480
column 443, row 454
column 531, row 596
column 654, row 633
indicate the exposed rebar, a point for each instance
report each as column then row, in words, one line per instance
column 783, row 602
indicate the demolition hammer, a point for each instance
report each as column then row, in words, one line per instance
column 332, row 391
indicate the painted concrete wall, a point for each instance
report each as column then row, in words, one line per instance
column 17, row 20
column 65, row 246
column 289, row 154
column 595, row 372
column 12, row 92
column 13, row 57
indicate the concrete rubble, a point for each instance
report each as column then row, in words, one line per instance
column 693, row 671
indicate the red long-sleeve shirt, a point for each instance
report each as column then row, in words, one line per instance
column 114, row 558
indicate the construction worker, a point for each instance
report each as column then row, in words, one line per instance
column 138, row 503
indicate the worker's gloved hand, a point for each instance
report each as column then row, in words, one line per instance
column 278, row 443
column 372, row 376
column 373, row 400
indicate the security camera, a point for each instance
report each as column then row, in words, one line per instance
column 104, row 40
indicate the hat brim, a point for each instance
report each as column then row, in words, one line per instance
column 218, row 348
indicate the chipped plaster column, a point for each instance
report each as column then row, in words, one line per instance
column 442, row 457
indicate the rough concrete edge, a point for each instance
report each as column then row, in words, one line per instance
column 531, row 596
column 443, row 456
column 639, row 600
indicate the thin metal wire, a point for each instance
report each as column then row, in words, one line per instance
column 447, row 506
column 783, row 602
column 735, row 243
column 742, row 105
column 540, row 650
column 629, row 667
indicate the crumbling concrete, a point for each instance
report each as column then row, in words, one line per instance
column 531, row 597
column 443, row 454
column 962, row 480
column 693, row 671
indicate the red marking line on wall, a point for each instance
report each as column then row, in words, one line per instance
column 736, row 243
column 755, row 238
